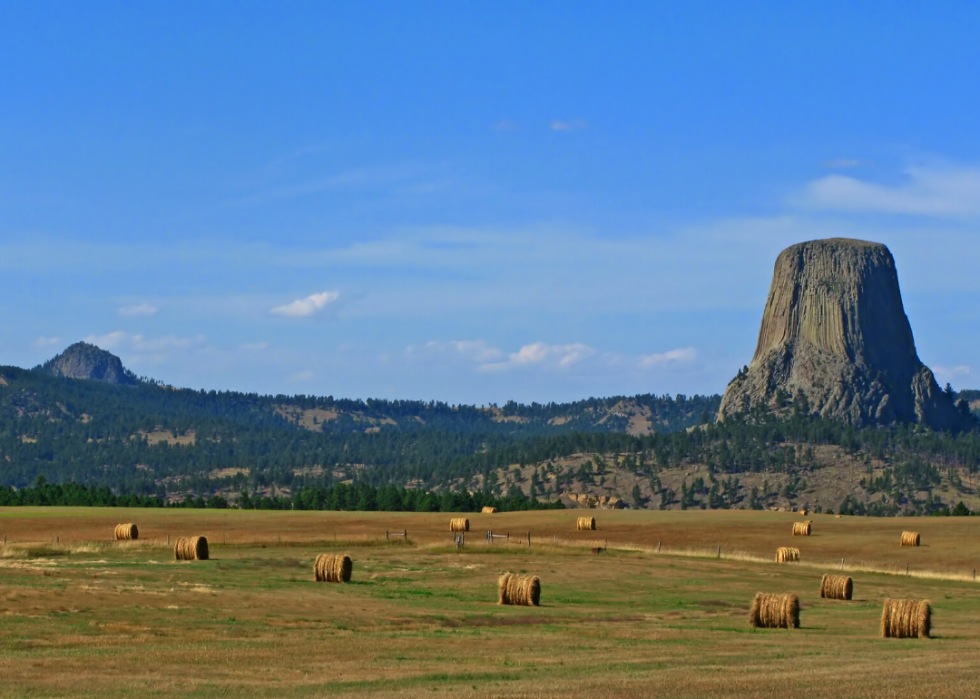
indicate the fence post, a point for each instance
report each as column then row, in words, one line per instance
column 842, row 564
column 658, row 546
column 719, row 552
column 556, row 541
column 906, row 568
column 529, row 539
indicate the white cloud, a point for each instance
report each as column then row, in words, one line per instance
column 927, row 192
column 310, row 306
column 302, row 376
column 43, row 342
column 141, row 309
column 543, row 354
column 573, row 125
column 684, row 354
column 255, row 346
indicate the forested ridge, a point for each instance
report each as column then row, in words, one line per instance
column 87, row 432
column 163, row 445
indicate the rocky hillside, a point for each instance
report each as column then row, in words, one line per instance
column 835, row 331
column 828, row 478
column 84, row 361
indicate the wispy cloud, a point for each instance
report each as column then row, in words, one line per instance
column 141, row 309
column 847, row 163
column 472, row 350
column 255, row 346
column 573, row 125
column 312, row 305
column 681, row 355
column 369, row 177
column 302, row 376
column 506, row 125
column 119, row 339
column 926, row 192
column 43, row 342
column 950, row 372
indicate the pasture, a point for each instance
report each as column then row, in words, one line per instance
column 658, row 612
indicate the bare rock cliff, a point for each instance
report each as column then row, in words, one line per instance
column 84, row 361
column 835, row 329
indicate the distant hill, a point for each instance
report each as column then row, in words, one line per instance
column 84, row 361
column 137, row 436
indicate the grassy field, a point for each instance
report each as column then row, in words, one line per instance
column 81, row 615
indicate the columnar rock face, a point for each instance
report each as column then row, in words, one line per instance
column 835, row 329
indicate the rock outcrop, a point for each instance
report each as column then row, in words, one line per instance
column 835, row 330
column 84, row 361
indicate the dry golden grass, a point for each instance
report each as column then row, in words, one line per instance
column 906, row 618
column 459, row 524
column 910, row 538
column 332, row 568
column 802, row 528
column 585, row 524
column 772, row 611
column 191, row 548
column 836, row 587
column 787, row 554
column 126, row 532
column 516, row 589
column 87, row 617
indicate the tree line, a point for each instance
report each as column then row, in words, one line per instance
column 362, row 497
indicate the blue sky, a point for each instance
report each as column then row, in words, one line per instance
column 472, row 202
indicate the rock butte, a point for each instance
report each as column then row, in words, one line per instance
column 84, row 361
column 835, row 328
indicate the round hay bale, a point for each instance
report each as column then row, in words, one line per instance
column 519, row 589
column 906, row 618
column 191, row 548
column 489, row 510
column 773, row 611
column 126, row 532
column 332, row 568
column 910, row 538
column 836, row 587
column 802, row 528
column 585, row 524
column 787, row 554
column 459, row 524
